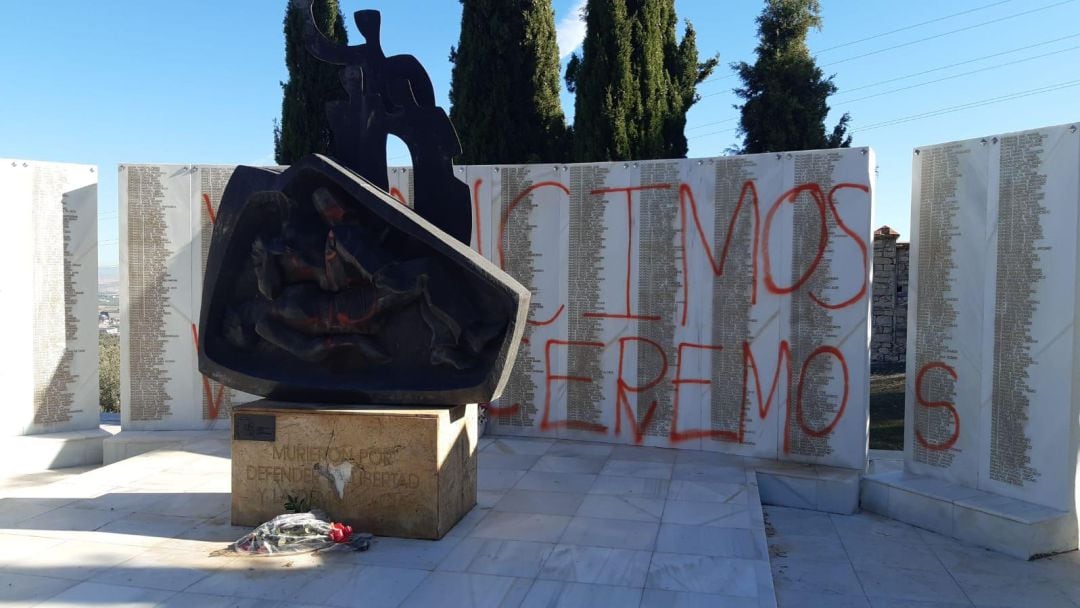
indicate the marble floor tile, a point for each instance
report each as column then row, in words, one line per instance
column 522, row 526
column 501, row 557
column 989, row 590
column 161, row 568
column 580, row 449
column 708, row 491
column 28, row 589
column 487, row 499
column 203, row 600
column 75, row 560
column 635, row 508
column 145, row 529
column 91, row 594
column 797, row 522
column 659, row 598
column 568, row 464
column 498, row 460
column 468, row 522
column 638, row 468
column 869, row 524
column 497, row 480
column 556, row 482
column 614, row 533
column 519, row 445
column 821, row 548
column 602, row 565
column 694, row 513
column 961, row 558
column 876, row 552
column 909, row 584
column 263, row 578
column 878, row 602
column 630, row 486
column 534, row 501
column 360, row 586
column 408, row 553
column 62, row 522
column 16, row 509
column 464, row 590
column 16, row 548
column 703, row 574
column 808, row 599
column 709, row 458
column 708, row 540
column 551, row 594
column 644, row 454
column 815, row 577
column 708, row 472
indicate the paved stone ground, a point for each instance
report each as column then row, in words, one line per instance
column 867, row 561
column 558, row 524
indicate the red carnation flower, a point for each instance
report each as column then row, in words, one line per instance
column 340, row 533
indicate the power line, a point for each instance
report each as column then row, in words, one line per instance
column 951, row 32
column 714, row 133
column 718, row 122
column 941, row 111
column 924, row 72
column 960, row 63
column 967, row 106
column 985, row 69
column 913, row 26
column 918, row 41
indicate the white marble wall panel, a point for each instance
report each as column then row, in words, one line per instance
column 992, row 322
column 709, row 304
column 49, row 297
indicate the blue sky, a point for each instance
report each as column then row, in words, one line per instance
column 131, row 81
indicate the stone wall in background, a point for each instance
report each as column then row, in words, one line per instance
column 888, row 328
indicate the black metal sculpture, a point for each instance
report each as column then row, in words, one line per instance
column 321, row 287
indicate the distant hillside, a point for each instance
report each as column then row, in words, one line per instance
column 108, row 280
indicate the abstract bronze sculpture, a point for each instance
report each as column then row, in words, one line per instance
column 320, row 287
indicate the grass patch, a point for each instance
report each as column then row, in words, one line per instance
column 887, row 412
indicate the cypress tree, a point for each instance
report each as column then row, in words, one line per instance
column 785, row 93
column 504, row 90
column 606, row 95
column 634, row 82
column 304, row 128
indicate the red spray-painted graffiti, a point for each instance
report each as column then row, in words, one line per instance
column 826, row 206
column 922, row 401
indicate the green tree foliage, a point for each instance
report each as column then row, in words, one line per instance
column 785, row 94
column 109, row 372
column 304, row 128
column 634, row 82
column 504, row 91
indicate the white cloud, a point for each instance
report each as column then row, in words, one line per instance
column 570, row 31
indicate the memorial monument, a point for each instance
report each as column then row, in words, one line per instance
column 990, row 452
column 371, row 330
column 51, row 411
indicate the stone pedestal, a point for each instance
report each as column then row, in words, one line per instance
column 391, row 471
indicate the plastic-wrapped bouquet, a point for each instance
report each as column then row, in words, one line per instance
column 294, row 533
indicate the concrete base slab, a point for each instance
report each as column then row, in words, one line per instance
column 34, row 453
column 1008, row 525
column 126, row 444
column 808, row 486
